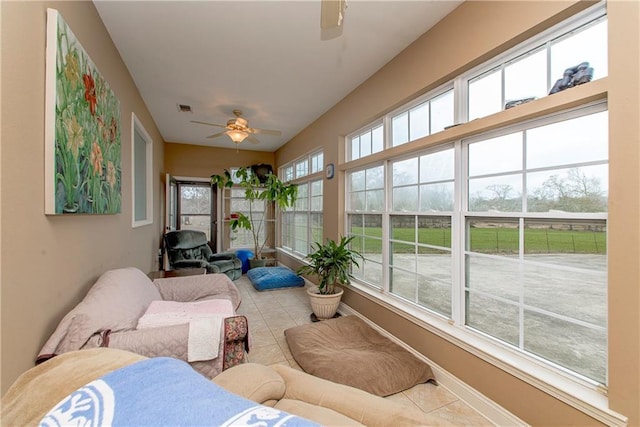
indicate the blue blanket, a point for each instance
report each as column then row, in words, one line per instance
column 162, row 392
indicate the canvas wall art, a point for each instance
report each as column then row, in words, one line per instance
column 82, row 129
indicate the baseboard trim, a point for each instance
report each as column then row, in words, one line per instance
column 481, row 403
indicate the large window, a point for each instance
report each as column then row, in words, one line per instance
column 142, row 174
column 533, row 71
column 302, row 224
column 535, row 253
column 365, row 142
column 428, row 117
column 504, row 233
column 422, row 192
column 366, row 203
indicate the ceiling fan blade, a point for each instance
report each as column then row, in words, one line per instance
column 266, row 131
column 210, row 124
column 252, row 140
column 215, row 135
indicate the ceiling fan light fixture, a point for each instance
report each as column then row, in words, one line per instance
column 237, row 136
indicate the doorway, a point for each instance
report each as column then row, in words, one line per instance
column 192, row 205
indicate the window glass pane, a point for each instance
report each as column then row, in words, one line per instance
column 400, row 129
column 587, row 305
column 577, row 347
column 434, row 293
column 434, row 231
column 405, row 172
column 583, row 139
column 436, row 265
column 498, row 194
column 357, row 180
column 403, row 227
column 404, row 284
column 403, row 255
column 442, row 111
column 302, row 168
column 355, row 224
column 288, row 173
column 496, row 318
column 485, row 95
column 372, row 226
column 526, row 76
column 568, row 243
column 437, row 197
column 302, row 202
column 355, row 148
column 357, row 201
column 375, row 177
column 375, row 200
column 195, row 199
column 499, row 236
column 495, row 155
column 316, row 162
column 582, row 189
column 589, row 45
column 377, row 139
column 140, row 184
column 405, row 198
column 365, row 144
column 419, row 121
column 372, row 248
column 437, row 166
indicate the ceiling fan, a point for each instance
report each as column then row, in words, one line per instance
column 238, row 130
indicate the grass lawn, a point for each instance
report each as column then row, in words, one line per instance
column 490, row 240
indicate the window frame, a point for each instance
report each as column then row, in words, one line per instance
column 314, row 161
column 540, row 40
column 146, row 174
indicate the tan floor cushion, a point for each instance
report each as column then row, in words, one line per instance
column 348, row 351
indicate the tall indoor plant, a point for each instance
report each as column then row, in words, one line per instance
column 331, row 263
column 269, row 189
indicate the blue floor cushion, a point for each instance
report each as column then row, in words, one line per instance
column 263, row 278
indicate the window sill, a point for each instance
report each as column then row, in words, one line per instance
column 582, row 395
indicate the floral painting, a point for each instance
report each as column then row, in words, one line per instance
column 82, row 129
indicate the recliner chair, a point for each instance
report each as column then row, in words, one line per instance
column 189, row 249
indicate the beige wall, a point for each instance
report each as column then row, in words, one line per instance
column 50, row 261
column 196, row 161
column 472, row 33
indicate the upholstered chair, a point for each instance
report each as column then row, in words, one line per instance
column 189, row 249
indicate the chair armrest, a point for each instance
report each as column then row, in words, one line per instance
column 252, row 381
column 222, row 256
column 190, row 263
column 168, row 341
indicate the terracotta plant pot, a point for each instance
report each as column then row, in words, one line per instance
column 324, row 306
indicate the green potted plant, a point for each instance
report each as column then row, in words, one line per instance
column 331, row 263
column 270, row 190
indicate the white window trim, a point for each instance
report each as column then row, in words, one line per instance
column 368, row 128
column 136, row 124
column 580, row 392
column 461, row 82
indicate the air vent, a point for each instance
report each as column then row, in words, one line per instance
column 183, row 108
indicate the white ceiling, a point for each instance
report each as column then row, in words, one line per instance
column 268, row 58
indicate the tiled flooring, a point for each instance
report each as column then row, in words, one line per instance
column 271, row 312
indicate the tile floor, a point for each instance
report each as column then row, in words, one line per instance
column 271, row 312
